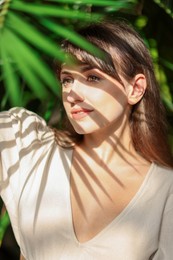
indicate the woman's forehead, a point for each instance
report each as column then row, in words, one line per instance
column 82, row 67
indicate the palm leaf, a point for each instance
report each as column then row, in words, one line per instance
column 33, row 36
column 48, row 10
column 167, row 64
column 29, row 40
column 35, row 64
column 71, row 35
column 117, row 3
column 21, row 61
column 167, row 5
column 10, row 76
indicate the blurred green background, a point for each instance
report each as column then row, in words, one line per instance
column 30, row 37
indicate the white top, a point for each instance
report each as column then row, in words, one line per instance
column 34, row 184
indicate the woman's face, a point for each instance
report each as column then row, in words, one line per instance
column 92, row 99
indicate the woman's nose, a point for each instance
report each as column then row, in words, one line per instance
column 75, row 95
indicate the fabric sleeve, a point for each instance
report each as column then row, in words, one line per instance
column 165, row 250
column 21, row 133
column 19, row 128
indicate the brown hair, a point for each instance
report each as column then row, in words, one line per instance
column 125, row 54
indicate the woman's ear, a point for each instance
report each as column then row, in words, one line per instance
column 136, row 89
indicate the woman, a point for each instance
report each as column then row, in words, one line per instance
column 110, row 194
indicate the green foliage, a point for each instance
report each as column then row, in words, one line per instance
column 4, row 222
column 25, row 49
column 167, row 5
column 30, row 36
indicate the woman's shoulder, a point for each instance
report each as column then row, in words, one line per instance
column 18, row 114
column 164, row 171
column 23, row 114
column 164, row 175
column 20, row 123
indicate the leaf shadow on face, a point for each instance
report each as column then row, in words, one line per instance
column 83, row 169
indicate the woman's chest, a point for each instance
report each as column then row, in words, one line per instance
column 98, row 199
column 47, row 223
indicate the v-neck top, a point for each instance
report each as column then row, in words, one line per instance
column 35, row 187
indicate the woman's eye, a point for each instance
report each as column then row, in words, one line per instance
column 93, row 78
column 66, row 81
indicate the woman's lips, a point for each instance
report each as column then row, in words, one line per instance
column 79, row 113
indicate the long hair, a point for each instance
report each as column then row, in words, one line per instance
column 125, row 54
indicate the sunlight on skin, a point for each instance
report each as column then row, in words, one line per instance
column 96, row 205
column 96, row 92
column 98, row 106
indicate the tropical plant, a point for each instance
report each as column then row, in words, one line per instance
column 167, row 5
column 31, row 30
column 30, row 36
column 30, row 33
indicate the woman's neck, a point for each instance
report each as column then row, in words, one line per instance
column 111, row 145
